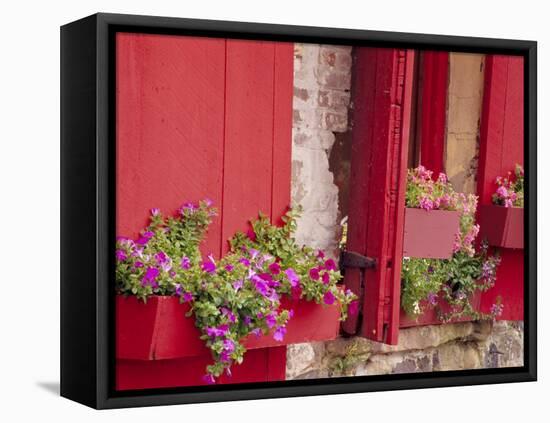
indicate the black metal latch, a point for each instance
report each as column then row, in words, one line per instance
column 352, row 259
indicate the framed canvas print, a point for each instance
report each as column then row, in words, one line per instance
column 258, row 211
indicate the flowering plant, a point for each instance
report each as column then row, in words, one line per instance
column 510, row 189
column 235, row 296
column 454, row 279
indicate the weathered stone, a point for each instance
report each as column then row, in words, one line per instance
column 304, row 358
column 421, row 337
column 463, row 115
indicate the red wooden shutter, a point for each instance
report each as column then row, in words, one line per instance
column 382, row 112
column 501, row 147
column 203, row 118
column 433, row 91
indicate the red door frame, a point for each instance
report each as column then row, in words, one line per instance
column 382, row 119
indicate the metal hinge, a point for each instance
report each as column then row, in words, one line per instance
column 352, row 259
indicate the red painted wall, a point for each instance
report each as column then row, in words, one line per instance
column 203, row 118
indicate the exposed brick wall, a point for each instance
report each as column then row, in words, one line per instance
column 322, row 78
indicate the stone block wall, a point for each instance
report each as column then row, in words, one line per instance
column 322, row 84
column 458, row 346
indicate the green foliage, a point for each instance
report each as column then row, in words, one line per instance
column 234, row 297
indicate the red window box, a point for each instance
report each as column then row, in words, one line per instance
column 502, row 226
column 431, row 313
column 429, row 234
column 159, row 330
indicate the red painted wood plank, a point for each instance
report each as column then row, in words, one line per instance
column 282, row 129
column 380, row 141
column 501, row 147
column 248, row 157
column 276, row 364
column 435, row 83
column 260, row 366
column 169, row 126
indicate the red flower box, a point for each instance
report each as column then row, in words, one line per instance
column 430, row 234
column 431, row 313
column 159, row 330
column 502, row 226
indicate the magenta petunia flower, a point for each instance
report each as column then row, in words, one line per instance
column 247, row 320
column 265, row 276
column 292, row 277
column 225, row 356
column 279, row 333
column 238, row 284
column 138, row 264
column 271, row 320
column 326, row 278
column 120, row 255
column 244, row 261
column 209, row 379
column 142, row 240
column 150, row 276
column 230, row 315
column 253, row 253
column 187, row 297
column 330, row 264
column 208, row 266
column 275, row 268
column 208, row 202
column 320, row 254
column 314, row 274
column 260, row 285
column 185, row 263
column 155, row 211
column 161, row 257
column 329, row 298
column 229, row 267
column 228, row 345
column 251, row 235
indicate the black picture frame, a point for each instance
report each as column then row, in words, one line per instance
column 88, row 204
